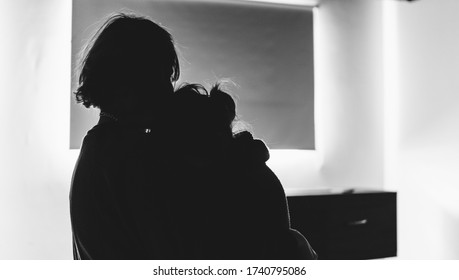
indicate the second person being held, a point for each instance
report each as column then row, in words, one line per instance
column 242, row 207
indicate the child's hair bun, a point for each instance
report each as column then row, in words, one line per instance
column 223, row 105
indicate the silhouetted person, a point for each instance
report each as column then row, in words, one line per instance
column 238, row 201
column 162, row 175
column 127, row 71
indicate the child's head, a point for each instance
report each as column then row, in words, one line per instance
column 205, row 118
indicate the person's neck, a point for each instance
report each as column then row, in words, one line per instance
column 105, row 117
column 137, row 118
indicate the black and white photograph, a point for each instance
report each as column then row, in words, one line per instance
column 255, row 130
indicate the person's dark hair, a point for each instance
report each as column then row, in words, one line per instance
column 212, row 113
column 206, row 127
column 128, row 55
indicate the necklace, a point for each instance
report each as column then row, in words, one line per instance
column 110, row 116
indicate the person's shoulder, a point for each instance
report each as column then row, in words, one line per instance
column 249, row 149
column 100, row 140
column 102, row 129
column 249, row 157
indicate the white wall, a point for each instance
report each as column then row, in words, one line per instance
column 35, row 162
column 424, row 161
column 388, row 83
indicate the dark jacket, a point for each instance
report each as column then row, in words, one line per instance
column 139, row 195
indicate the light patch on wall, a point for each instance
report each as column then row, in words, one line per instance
column 391, row 91
column 35, row 162
column 288, row 2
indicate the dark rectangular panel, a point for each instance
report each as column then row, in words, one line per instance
column 347, row 226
